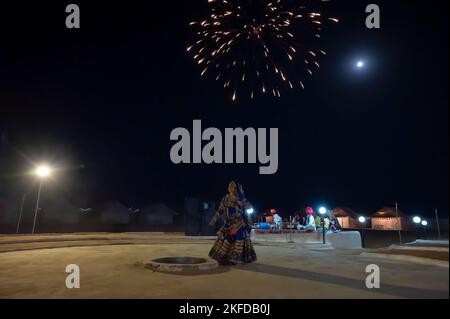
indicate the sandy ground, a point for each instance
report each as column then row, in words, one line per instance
column 112, row 266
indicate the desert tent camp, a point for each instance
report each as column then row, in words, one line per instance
column 59, row 211
column 386, row 219
column 5, row 213
column 114, row 213
column 157, row 214
column 346, row 216
column 9, row 212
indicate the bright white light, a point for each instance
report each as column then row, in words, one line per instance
column 322, row 210
column 424, row 223
column 417, row 220
column 43, row 171
column 360, row 64
column 362, row 219
column 250, row 211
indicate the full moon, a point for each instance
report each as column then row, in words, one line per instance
column 360, row 64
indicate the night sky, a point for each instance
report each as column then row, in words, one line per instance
column 99, row 103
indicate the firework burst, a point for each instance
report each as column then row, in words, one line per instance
column 260, row 46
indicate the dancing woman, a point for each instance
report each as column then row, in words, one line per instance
column 233, row 245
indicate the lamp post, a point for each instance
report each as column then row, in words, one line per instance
column 437, row 224
column 424, row 223
column 399, row 224
column 322, row 212
column 20, row 212
column 417, row 220
column 291, row 229
column 42, row 172
column 363, row 221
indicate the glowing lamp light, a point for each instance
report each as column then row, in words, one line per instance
column 417, row 220
column 362, row 219
column 360, row 64
column 424, row 223
column 250, row 211
column 322, row 210
column 43, row 171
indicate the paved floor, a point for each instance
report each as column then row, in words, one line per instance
column 112, row 266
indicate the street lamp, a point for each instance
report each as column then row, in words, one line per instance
column 322, row 212
column 418, row 221
column 424, row 223
column 362, row 220
column 42, row 172
column 250, row 211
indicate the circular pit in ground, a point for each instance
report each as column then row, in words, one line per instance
column 181, row 264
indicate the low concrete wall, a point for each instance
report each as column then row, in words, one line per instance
column 25, row 228
column 296, row 237
column 340, row 240
column 345, row 240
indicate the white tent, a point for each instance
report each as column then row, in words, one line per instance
column 157, row 214
column 114, row 213
column 60, row 211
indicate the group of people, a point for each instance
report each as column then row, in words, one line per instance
column 307, row 220
column 313, row 222
column 233, row 244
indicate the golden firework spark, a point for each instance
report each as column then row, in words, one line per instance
column 260, row 46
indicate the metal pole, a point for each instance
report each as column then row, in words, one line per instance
column 37, row 206
column 20, row 212
column 400, row 224
column 292, row 229
column 437, row 223
column 362, row 239
column 323, row 230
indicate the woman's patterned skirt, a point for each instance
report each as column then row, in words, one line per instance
column 236, row 249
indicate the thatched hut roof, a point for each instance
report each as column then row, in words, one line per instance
column 158, row 209
column 388, row 212
column 345, row 212
column 113, row 212
column 157, row 214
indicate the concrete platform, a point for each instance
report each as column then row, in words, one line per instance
column 113, row 266
column 340, row 240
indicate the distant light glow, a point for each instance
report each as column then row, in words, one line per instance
column 43, row 171
column 250, row 211
column 322, row 210
column 417, row 220
column 424, row 223
column 362, row 219
column 360, row 64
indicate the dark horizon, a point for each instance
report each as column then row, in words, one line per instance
column 99, row 104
